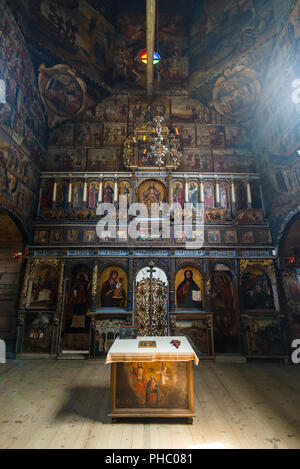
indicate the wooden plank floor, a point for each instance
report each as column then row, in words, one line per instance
column 64, row 404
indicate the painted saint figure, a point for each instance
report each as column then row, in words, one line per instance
column 93, row 195
column 79, row 301
column 178, row 195
column 108, row 194
column 188, row 292
column 139, row 382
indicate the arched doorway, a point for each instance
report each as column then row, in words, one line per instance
column 224, row 303
column 11, row 242
column 151, row 301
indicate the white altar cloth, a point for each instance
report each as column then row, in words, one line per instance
column 127, row 350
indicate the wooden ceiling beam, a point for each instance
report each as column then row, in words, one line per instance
column 150, row 33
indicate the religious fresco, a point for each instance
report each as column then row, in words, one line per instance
column 291, row 287
column 173, row 48
column 152, row 385
column 214, row 236
column 65, row 159
column 224, row 304
column 230, row 237
column 92, row 195
column 106, row 331
column 189, row 288
column 185, row 109
column 193, row 193
column 196, row 159
column 187, row 134
column 62, row 135
column 104, row 159
column 114, row 134
column 263, row 336
column 235, row 161
column 233, row 30
column 40, row 237
column 111, row 109
column 209, row 195
column 210, row 135
column 225, row 200
column 37, row 333
column 89, row 134
column 178, row 193
column 247, row 237
column 78, row 302
column 237, row 137
column 112, row 288
column 108, row 192
column 82, row 37
column 77, row 194
column 125, row 190
column 62, row 92
column 42, row 288
column 257, row 291
column 22, row 122
column 150, row 192
column 241, row 195
column 144, row 110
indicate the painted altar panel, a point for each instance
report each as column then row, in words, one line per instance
column 114, row 134
column 187, row 134
column 62, row 135
column 256, row 289
column 104, row 159
column 37, row 333
column 292, row 291
column 42, row 288
column 196, row 331
column 210, row 135
column 89, row 134
column 235, row 161
column 66, row 159
column 160, row 385
column 196, row 159
column 263, row 336
column 141, row 110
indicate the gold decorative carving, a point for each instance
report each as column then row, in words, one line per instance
column 267, row 264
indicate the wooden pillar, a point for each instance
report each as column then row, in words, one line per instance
column 150, row 20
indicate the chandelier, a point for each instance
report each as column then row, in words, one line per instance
column 155, row 143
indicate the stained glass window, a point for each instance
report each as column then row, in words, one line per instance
column 144, row 57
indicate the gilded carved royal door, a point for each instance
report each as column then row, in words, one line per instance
column 151, row 302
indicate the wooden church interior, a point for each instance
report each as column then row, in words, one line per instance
column 78, row 109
